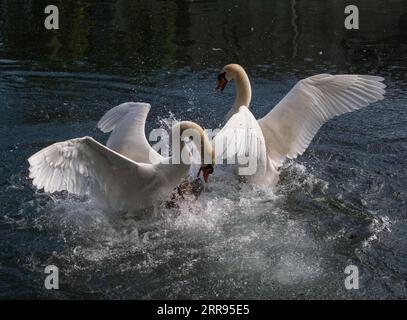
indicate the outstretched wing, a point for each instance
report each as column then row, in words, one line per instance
column 84, row 166
column 241, row 139
column 127, row 123
column 291, row 125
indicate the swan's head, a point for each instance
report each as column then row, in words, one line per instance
column 191, row 131
column 229, row 73
column 206, row 170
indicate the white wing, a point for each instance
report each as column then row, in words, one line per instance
column 84, row 166
column 291, row 125
column 127, row 121
column 241, row 137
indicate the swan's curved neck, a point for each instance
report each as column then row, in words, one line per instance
column 185, row 129
column 243, row 89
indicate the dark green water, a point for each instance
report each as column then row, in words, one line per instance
column 343, row 202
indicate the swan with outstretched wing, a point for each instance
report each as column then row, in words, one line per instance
column 288, row 129
column 125, row 175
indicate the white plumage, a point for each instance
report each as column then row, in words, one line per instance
column 127, row 124
column 119, row 176
column 288, row 129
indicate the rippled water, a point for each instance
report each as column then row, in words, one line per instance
column 343, row 202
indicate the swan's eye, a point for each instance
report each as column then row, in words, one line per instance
column 222, row 76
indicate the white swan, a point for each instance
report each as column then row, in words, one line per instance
column 287, row 130
column 125, row 175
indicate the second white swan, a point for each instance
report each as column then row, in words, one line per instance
column 287, row 130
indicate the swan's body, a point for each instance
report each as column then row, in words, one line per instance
column 125, row 175
column 287, row 130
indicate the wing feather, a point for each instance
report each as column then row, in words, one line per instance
column 292, row 124
column 127, row 122
column 84, row 166
column 241, row 137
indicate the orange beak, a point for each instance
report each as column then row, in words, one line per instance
column 205, row 175
column 222, row 82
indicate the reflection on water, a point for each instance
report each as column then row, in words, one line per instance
column 342, row 203
column 149, row 35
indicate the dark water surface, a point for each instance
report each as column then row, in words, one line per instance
column 343, row 202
